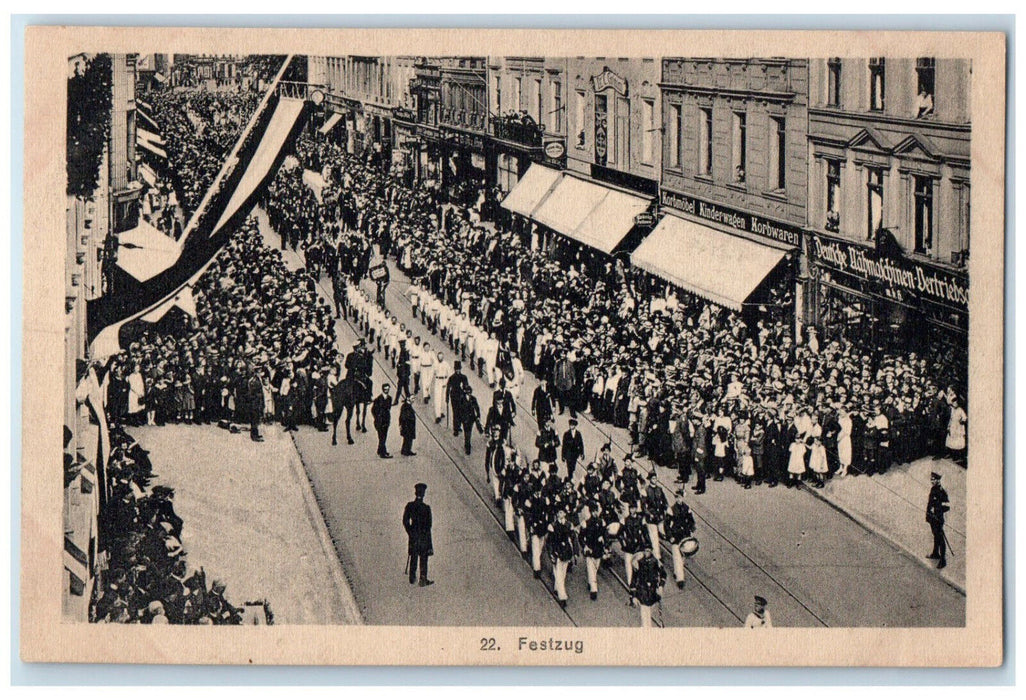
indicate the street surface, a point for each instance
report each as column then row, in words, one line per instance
column 815, row 565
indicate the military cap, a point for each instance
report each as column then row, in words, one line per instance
column 420, row 489
column 759, row 600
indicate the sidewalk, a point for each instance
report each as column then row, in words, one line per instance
column 251, row 520
column 893, row 505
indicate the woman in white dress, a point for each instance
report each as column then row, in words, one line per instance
column 955, row 441
column 843, row 441
column 796, row 462
column 818, row 456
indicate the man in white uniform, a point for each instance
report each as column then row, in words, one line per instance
column 442, row 371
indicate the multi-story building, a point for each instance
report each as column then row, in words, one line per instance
column 527, row 98
column 92, row 223
column 888, row 214
column 733, row 178
column 463, row 118
column 612, row 157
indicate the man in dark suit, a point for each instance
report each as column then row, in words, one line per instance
column 573, row 448
column 381, row 410
column 403, row 371
column 470, row 416
column 417, row 523
column 541, row 404
column 456, row 388
column 407, row 427
column 936, row 507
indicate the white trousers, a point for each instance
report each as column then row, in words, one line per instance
column 537, row 545
column 495, row 483
column 653, row 537
column 628, row 565
column 592, row 565
column 508, row 508
column 439, row 396
column 425, row 385
column 522, row 533
column 678, row 562
column 559, row 571
column 646, row 615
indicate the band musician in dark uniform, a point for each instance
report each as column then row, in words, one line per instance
column 936, row 507
column 417, row 522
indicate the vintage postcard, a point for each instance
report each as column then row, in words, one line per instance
column 513, row 347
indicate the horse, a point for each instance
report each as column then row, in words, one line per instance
column 349, row 395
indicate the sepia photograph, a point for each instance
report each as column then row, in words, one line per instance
column 661, row 337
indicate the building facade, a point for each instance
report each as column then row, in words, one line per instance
column 463, row 121
column 888, row 215
column 734, row 159
column 613, row 121
column 527, row 122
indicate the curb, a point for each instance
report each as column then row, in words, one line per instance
column 316, row 519
column 865, row 525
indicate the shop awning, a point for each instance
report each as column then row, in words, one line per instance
column 610, row 221
column 722, row 268
column 569, row 204
column 334, row 119
column 144, row 252
column 531, row 190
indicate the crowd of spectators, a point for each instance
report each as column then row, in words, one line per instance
column 147, row 578
column 692, row 381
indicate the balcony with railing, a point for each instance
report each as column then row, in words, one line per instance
column 463, row 119
column 518, row 128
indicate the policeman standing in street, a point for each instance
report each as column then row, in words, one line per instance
column 936, row 507
column 407, row 427
column 573, row 448
column 417, row 523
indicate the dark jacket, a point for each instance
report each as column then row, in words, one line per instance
column 573, row 446
column 407, row 420
column 381, row 409
column 417, row 522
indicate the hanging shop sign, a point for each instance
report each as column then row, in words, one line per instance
column 892, row 275
column 555, row 149
column 404, row 114
column 740, row 221
column 645, row 219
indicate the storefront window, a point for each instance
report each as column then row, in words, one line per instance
column 556, row 116
column 923, row 223
column 579, row 118
column 647, row 136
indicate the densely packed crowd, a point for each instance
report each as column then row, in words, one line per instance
column 147, row 578
column 200, row 128
column 261, row 345
column 698, row 386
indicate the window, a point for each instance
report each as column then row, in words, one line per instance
column 517, row 95
column 507, row 166
column 579, row 102
column 648, row 131
column 498, row 94
column 537, row 99
column 876, row 84
column 923, row 215
column 874, row 205
column 705, row 141
column 777, row 154
column 833, row 196
column 623, row 131
column 834, row 82
column 965, row 222
column 674, row 136
column 924, row 87
column 739, row 146
column 557, row 106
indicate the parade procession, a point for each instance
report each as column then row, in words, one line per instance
column 648, row 342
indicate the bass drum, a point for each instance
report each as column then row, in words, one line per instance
column 689, row 546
